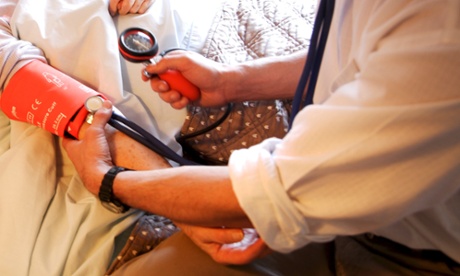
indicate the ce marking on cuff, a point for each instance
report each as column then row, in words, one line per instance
column 36, row 104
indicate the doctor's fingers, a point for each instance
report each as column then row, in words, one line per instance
column 103, row 115
column 176, row 59
column 172, row 97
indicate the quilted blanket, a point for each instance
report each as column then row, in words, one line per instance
column 241, row 31
column 245, row 30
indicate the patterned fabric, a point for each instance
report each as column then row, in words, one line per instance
column 149, row 231
column 247, row 124
column 242, row 31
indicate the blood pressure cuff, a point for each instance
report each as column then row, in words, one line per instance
column 41, row 95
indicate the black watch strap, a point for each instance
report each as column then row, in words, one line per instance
column 106, row 196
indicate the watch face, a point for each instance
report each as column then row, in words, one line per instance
column 92, row 104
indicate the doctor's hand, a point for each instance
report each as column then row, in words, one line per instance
column 232, row 246
column 207, row 75
column 91, row 155
column 124, row 7
column 102, row 146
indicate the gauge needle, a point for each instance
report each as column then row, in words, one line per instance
column 140, row 44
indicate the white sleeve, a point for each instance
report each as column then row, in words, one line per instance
column 381, row 148
column 14, row 53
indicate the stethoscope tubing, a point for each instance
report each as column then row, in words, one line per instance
column 142, row 136
column 307, row 83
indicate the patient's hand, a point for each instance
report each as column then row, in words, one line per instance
column 123, row 7
column 101, row 146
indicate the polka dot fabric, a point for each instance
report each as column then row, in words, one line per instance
column 246, row 30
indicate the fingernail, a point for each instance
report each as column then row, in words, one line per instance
column 156, row 59
column 238, row 235
column 107, row 105
column 147, row 74
column 163, row 87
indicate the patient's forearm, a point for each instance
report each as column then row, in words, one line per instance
column 128, row 153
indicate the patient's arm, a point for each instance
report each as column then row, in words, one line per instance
column 128, row 153
column 15, row 54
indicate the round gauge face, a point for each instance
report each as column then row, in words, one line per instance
column 93, row 104
column 137, row 45
column 138, row 42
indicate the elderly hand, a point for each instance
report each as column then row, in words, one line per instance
column 227, row 245
column 91, row 156
column 124, row 7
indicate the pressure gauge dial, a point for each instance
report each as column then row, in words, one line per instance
column 138, row 45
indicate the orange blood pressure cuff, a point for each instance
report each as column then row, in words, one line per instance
column 43, row 96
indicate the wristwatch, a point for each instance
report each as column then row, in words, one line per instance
column 106, row 196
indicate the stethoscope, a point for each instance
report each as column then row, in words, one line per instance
column 139, row 45
column 307, row 83
column 136, row 132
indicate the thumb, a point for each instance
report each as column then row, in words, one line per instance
column 103, row 115
column 229, row 235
